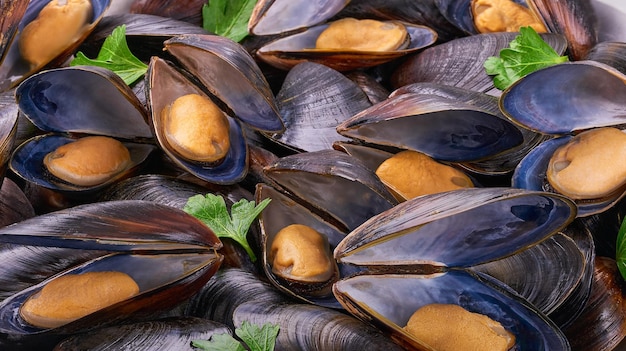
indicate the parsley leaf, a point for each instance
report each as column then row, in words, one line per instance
column 621, row 249
column 257, row 339
column 219, row 342
column 527, row 53
column 228, row 18
column 116, row 56
column 211, row 209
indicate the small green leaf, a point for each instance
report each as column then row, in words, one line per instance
column 219, row 342
column 259, row 339
column 116, row 56
column 228, row 18
column 620, row 256
column 212, row 211
column 527, row 53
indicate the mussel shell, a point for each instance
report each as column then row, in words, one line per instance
column 280, row 16
column 460, row 13
column 188, row 11
column 14, row 69
column 530, row 174
column 281, row 212
column 567, row 97
column 441, row 128
column 502, row 163
column 28, row 163
column 145, row 33
column 310, row 328
column 14, row 205
column 165, row 85
column 611, row 53
column 167, row 334
column 13, row 10
column 574, row 19
column 231, row 74
column 459, row 228
column 8, row 130
column 389, row 300
column 284, row 53
column 333, row 183
column 528, row 274
column 459, row 62
column 164, row 282
column 83, row 99
column 312, row 101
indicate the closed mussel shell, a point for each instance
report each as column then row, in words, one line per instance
column 8, row 129
column 227, row 70
column 312, row 101
column 15, row 68
column 168, row 253
column 56, row 101
column 166, row 84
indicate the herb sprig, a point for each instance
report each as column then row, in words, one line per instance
column 620, row 254
column 116, row 56
column 526, row 53
column 257, row 339
column 228, row 18
column 211, row 209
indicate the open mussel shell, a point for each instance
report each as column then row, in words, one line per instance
column 280, row 213
column 166, row 334
column 439, row 127
column 28, row 163
column 357, row 194
column 169, row 253
column 567, row 97
column 227, row 70
column 388, row 300
column 530, row 174
column 286, row 52
column 419, row 252
column 14, row 68
column 312, row 101
column 280, row 16
column 9, row 114
column 440, row 63
column 165, row 85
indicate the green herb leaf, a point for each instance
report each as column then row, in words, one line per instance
column 211, row 209
column 621, row 249
column 116, row 56
column 257, row 339
column 527, row 53
column 228, row 18
column 219, row 342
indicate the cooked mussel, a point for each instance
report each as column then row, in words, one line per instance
column 63, row 24
column 419, row 253
column 168, row 253
column 56, row 101
column 284, row 53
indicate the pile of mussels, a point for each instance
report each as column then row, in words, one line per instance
column 309, row 128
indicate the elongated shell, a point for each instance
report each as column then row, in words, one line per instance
column 14, row 68
column 169, row 253
column 166, row 84
column 280, row 16
column 444, row 129
column 231, row 74
column 334, row 183
column 567, row 97
column 285, row 53
column 312, row 101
